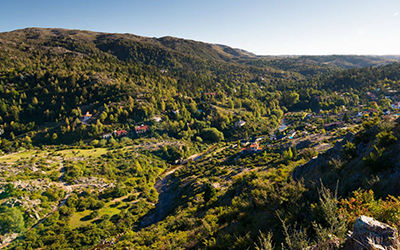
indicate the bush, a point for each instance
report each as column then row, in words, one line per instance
column 309, row 153
column 349, row 150
column 212, row 135
column 94, row 214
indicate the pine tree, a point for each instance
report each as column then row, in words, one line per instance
column 294, row 151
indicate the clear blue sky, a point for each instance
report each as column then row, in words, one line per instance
column 264, row 27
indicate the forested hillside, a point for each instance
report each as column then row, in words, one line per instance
column 127, row 142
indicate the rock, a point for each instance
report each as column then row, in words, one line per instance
column 369, row 233
column 310, row 171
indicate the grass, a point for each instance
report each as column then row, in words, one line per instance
column 78, row 220
column 15, row 157
column 96, row 152
column 68, row 153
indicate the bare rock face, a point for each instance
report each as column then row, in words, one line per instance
column 369, row 234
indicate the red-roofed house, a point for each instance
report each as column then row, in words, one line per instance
column 141, row 129
column 120, row 133
column 254, row 148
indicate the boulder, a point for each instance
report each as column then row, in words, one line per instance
column 369, row 234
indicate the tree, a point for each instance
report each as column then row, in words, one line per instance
column 11, row 220
column 212, row 135
column 294, row 150
column 54, row 137
column 288, row 154
column 35, row 101
column 346, row 117
column 209, row 192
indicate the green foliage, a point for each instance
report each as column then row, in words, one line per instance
column 295, row 239
column 349, row 150
column 386, row 138
column 288, row 154
column 308, row 153
column 212, row 135
column 209, row 192
column 10, row 191
column 11, row 220
column 264, row 242
column 294, row 150
column 125, row 81
column 378, row 160
column 333, row 222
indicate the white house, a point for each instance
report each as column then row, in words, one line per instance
column 157, row 119
column 395, row 105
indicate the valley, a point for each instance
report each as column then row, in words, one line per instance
column 116, row 141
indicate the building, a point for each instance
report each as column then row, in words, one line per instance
column 240, row 123
column 333, row 125
column 106, row 136
column 244, row 142
column 86, row 117
column 395, row 105
column 253, row 148
column 291, row 134
column 120, row 133
column 176, row 112
column 157, row 118
column 141, row 129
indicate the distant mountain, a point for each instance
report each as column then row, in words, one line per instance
column 349, row 61
column 395, row 57
column 124, row 46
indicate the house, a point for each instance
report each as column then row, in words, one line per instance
column 213, row 94
column 86, row 117
column 106, row 136
column 253, row 148
column 180, row 161
column 157, row 118
column 291, row 134
column 176, row 112
column 255, row 139
column 141, row 129
column 120, row 133
column 309, row 116
column 395, row 105
column 240, row 123
column 333, row 125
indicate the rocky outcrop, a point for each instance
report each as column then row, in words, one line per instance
column 310, row 171
column 369, row 234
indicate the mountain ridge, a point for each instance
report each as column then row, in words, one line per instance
column 203, row 50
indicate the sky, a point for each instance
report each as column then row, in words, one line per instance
column 264, row 27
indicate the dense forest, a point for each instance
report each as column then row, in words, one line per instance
column 126, row 142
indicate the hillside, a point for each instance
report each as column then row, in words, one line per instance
column 116, row 141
